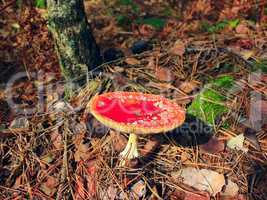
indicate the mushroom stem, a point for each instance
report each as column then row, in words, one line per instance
column 130, row 150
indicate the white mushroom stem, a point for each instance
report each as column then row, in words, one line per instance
column 130, row 150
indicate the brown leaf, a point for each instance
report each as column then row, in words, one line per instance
column 91, row 177
column 185, row 158
column 151, row 63
column 202, row 6
column 178, row 48
column 91, row 185
column 18, row 182
column 246, row 54
column 238, row 197
column 199, row 196
column 214, row 145
column 132, row 61
column 81, row 152
column 50, row 186
column 164, row 74
column 5, row 133
column 182, row 99
column 139, row 189
column 168, row 28
column 146, row 30
column 108, row 194
column 230, row 190
column 188, row 86
column 258, row 113
column 56, row 138
column 202, row 180
column 80, row 188
column 242, row 29
column 20, row 124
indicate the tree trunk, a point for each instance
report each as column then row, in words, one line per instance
column 74, row 42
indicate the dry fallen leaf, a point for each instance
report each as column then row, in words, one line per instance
column 178, row 48
column 200, row 196
column 231, row 189
column 151, row 63
column 238, row 197
column 109, row 194
column 237, row 143
column 19, row 124
column 242, row 29
column 139, row 189
column 203, row 180
column 185, row 158
column 164, row 74
column 56, row 138
column 80, row 194
column 258, row 114
column 132, row 61
column 91, row 177
column 214, row 145
column 246, row 54
column 48, row 158
column 188, row 86
column 176, row 195
column 81, row 152
column 50, row 186
column 146, row 30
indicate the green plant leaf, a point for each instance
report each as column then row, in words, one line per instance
column 233, row 23
column 125, row 2
column 224, row 81
column 260, row 64
column 132, row 4
column 209, row 103
column 135, row 8
column 167, row 12
column 219, row 25
column 122, row 20
column 19, row 3
column 158, row 23
column 40, row 3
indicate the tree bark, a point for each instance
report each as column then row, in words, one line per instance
column 74, row 42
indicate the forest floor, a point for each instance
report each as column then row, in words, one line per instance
column 209, row 57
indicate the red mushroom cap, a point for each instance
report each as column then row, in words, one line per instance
column 135, row 112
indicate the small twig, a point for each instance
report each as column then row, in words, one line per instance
column 7, row 5
column 63, row 173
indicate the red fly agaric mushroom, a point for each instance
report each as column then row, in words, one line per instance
column 136, row 113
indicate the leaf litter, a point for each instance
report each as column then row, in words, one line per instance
column 44, row 159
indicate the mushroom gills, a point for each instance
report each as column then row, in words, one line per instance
column 130, row 151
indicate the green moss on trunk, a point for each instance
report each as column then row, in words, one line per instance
column 74, row 42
